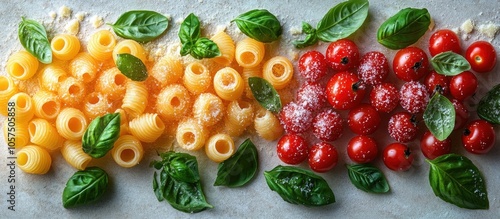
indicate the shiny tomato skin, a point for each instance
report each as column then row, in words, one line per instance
column 444, row 40
column 481, row 56
column 434, row 79
column 363, row 119
column 344, row 90
column 463, row 85
column 362, row 149
column 398, row 157
column 432, row 147
column 342, row 55
column 322, row 157
column 292, row 149
column 410, row 64
column 479, row 137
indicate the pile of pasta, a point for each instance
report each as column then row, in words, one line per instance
column 203, row 103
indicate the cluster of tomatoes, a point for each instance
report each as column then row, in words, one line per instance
column 354, row 77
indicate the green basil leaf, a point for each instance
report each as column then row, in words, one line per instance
column 132, row 67
column 404, row 28
column 183, row 167
column 489, row 106
column 368, row 178
column 156, row 188
column 260, row 25
column 142, row 26
column 190, row 30
column 84, row 187
column 311, row 37
column 204, row 48
column 101, row 134
column 298, row 186
column 342, row 20
column 449, row 63
column 34, row 39
column 240, row 168
column 455, row 179
column 439, row 116
column 265, row 94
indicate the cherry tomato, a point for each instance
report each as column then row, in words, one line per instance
column 398, row 157
column 481, row 56
column 402, row 127
column 363, row 119
column 362, row 149
column 344, row 90
column 292, row 149
column 322, row 157
column 413, row 97
column 373, row 68
column 328, row 125
column 342, row 55
column 434, row 79
column 384, row 97
column 410, row 64
column 444, row 40
column 478, row 137
column 463, row 85
column 461, row 114
column 312, row 66
column 432, row 147
column 295, row 118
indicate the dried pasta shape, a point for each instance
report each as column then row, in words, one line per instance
column 197, row 78
column 51, row 77
column 130, row 47
column 47, row 104
column 7, row 90
column 23, row 107
column 173, row 102
column 208, row 109
column 135, row 99
column 278, row 71
column 190, row 135
column 123, row 121
column 22, row 65
column 127, row 151
column 147, row 127
column 267, row 125
column 112, row 83
column 167, row 71
column 101, row 45
column 65, row 46
column 249, row 52
column 74, row 155
column 42, row 133
column 33, row 159
column 226, row 48
column 71, row 124
column 71, row 92
column 239, row 116
column 248, row 73
column 83, row 67
column 228, row 84
column 96, row 104
column 220, row 147
column 19, row 135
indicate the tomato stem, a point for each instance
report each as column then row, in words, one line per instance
column 358, row 85
column 407, row 152
column 417, row 65
column 466, row 132
column 344, row 61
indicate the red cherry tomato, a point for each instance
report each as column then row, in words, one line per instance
column 461, row 114
column 322, row 157
column 413, row 97
column 434, row 79
column 443, row 41
column 363, row 119
column 402, row 127
column 342, row 55
column 362, row 149
column 344, row 90
column 478, row 137
column 432, row 147
column 481, row 56
column 384, row 97
column 410, row 64
column 398, row 157
column 312, row 66
column 463, row 85
column 292, row 149
column 373, row 68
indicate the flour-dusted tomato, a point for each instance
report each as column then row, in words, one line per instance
column 312, row 66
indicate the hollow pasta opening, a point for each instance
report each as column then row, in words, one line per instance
column 120, row 79
column 22, row 158
column 58, row 44
column 74, row 89
column 75, row 124
column 197, row 69
column 60, row 78
column 260, row 114
column 86, row 77
column 127, row 155
column 188, row 138
column 175, row 102
column 228, row 80
column 222, row 146
column 4, row 83
column 243, row 105
column 105, row 40
column 278, row 70
column 85, row 163
column 93, row 99
column 124, row 49
column 17, row 70
column 50, row 108
column 21, row 102
column 248, row 57
column 159, row 123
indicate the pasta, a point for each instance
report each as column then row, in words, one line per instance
column 130, row 47
column 74, row 155
column 190, row 135
column 249, row 52
column 226, row 48
column 23, row 106
column 83, row 67
column 167, row 71
column 208, row 109
column 47, row 104
column 96, row 104
column 197, row 78
column 278, row 71
column 112, row 83
column 65, row 46
column 51, row 76
column 238, row 117
column 42, row 133
column 19, row 134
column 173, row 102
column 135, row 99
column 219, row 147
column 267, row 125
column 123, row 121
column 71, row 124
column 248, row 73
column 228, row 84
column 101, row 45
column 7, row 90
column 71, row 92
column 22, row 65
column 147, row 127
column 33, row 159
column 127, row 151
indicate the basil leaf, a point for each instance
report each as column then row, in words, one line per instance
column 311, row 37
column 101, row 134
column 183, row 167
column 205, row 48
column 455, row 179
column 132, row 67
column 489, row 106
column 260, row 25
column 156, row 188
column 240, row 168
column 368, row 178
column 34, row 39
column 342, row 20
column 449, row 63
column 142, row 26
column 298, row 186
column 84, row 187
column 439, row 116
column 265, row 94
column 404, row 28
column 190, row 30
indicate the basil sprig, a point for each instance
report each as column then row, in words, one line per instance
column 240, row 168
column 260, row 25
column 101, row 134
column 179, row 182
column 439, row 116
column 84, row 187
column 132, row 67
column 368, row 178
column 489, row 106
column 449, row 63
column 142, row 26
column 265, row 94
column 299, row 186
column 339, row 22
column 455, row 179
column 34, row 39
column 192, row 42
column 404, row 28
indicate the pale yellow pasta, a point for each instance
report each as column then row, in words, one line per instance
column 226, row 48
column 208, row 109
column 51, row 76
column 249, row 52
column 96, row 104
column 228, row 84
column 65, row 46
column 135, row 99
column 47, row 104
column 267, row 125
column 7, row 90
column 42, row 133
column 239, row 116
column 167, row 70
column 112, row 83
column 71, row 123
column 197, row 78
column 71, row 92
column 15, row 134
column 248, row 73
column 83, row 67
column 173, row 102
column 22, row 65
column 190, row 135
column 131, row 47
column 278, row 71
column 147, row 127
column 123, row 121
column 127, row 151
column 33, row 159
column 101, row 45
column 23, row 107
column 74, row 155
column 219, row 147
